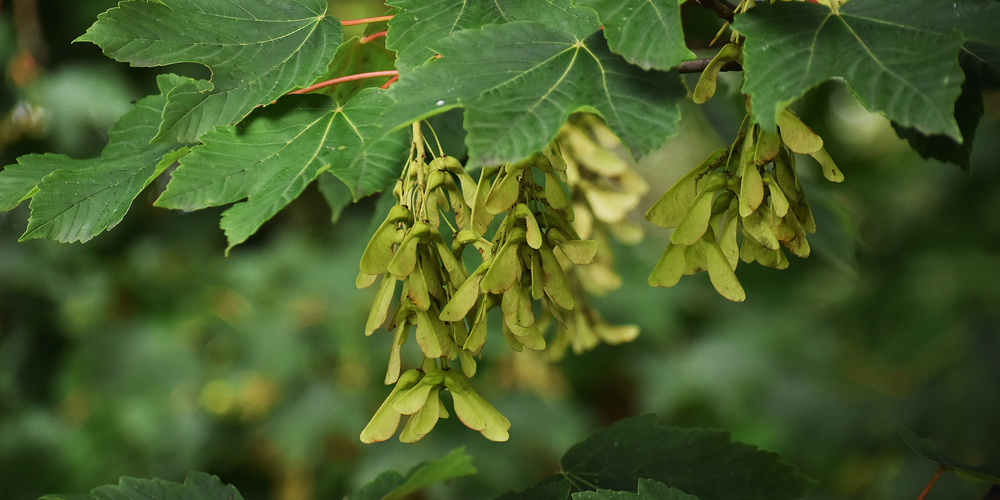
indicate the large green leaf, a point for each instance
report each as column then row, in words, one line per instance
column 197, row 486
column 273, row 156
column 980, row 61
column 257, row 51
column 520, row 81
column 420, row 23
column 986, row 473
column 900, row 61
column 645, row 32
column 699, row 462
column 74, row 200
column 648, row 490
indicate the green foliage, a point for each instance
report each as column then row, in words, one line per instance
column 632, row 449
column 392, row 485
column 663, row 462
column 74, row 200
column 197, row 486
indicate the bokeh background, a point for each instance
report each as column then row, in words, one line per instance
column 147, row 353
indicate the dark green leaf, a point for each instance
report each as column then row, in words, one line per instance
column 74, row 200
column 197, row 486
column 257, row 51
column 419, row 23
column 902, row 62
column 987, row 473
column 580, row 22
column 968, row 111
column 557, row 489
column 645, row 32
column 336, row 193
column 521, row 81
column 699, row 462
column 648, row 490
column 271, row 158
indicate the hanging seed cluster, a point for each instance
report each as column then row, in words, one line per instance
column 749, row 189
column 432, row 246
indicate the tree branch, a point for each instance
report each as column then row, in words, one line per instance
column 699, row 65
column 720, row 9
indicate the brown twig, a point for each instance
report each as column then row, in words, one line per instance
column 699, row 65
column 720, row 9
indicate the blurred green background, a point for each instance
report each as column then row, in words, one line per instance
column 147, row 353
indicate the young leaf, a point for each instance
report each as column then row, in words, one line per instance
column 520, row 81
column 379, row 487
column 616, row 457
column 646, row 32
column 885, row 54
column 455, row 464
column 197, row 485
column 393, row 485
column 272, row 158
column 257, row 51
column 987, row 473
column 74, row 200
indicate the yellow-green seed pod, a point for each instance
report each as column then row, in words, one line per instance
column 668, row 211
column 797, row 135
column 720, row 272
column 385, row 421
column 710, row 75
column 830, row 170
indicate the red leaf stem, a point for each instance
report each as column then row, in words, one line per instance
column 390, row 82
column 931, row 483
column 348, row 78
column 365, row 20
column 372, row 36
